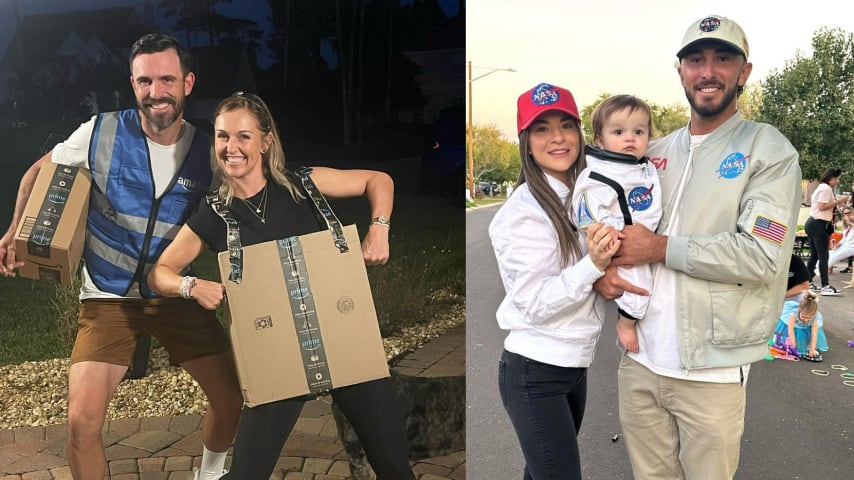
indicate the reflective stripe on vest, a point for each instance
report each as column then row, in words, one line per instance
column 128, row 228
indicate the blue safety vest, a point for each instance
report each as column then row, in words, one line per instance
column 128, row 228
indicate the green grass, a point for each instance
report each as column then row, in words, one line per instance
column 37, row 319
column 28, row 325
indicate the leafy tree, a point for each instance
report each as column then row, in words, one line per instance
column 750, row 101
column 496, row 159
column 665, row 119
column 199, row 16
column 810, row 102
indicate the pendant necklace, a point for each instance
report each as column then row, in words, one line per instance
column 260, row 209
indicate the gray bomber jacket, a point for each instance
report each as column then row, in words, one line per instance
column 736, row 198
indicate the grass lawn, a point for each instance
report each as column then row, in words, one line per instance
column 427, row 255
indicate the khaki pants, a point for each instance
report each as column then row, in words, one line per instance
column 679, row 429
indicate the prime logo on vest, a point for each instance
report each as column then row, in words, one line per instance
column 733, row 165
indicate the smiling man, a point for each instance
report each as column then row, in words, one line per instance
column 149, row 171
column 720, row 258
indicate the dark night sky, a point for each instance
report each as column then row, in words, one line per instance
column 252, row 9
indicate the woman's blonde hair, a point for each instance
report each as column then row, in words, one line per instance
column 272, row 162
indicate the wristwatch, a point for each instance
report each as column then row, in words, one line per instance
column 381, row 220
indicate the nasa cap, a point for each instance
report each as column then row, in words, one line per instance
column 715, row 27
column 542, row 98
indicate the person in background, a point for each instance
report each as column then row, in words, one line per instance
column 730, row 189
column 619, row 187
column 269, row 203
column 164, row 173
column 798, row 280
column 801, row 325
column 547, row 269
column 844, row 248
column 820, row 225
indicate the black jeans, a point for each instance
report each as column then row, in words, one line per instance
column 371, row 408
column 546, row 405
column 819, row 239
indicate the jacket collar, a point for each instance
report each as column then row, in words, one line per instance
column 723, row 132
column 610, row 156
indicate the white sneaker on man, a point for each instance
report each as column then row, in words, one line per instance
column 828, row 290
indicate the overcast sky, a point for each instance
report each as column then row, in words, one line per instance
column 616, row 46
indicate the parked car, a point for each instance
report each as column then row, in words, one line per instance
column 443, row 164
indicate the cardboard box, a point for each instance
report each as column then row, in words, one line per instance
column 302, row 318
column 50, row 235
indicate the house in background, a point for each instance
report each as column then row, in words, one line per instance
column 50, row 54
column 441, row 56
column 74, row 64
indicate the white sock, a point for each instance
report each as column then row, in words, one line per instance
column 213, row 464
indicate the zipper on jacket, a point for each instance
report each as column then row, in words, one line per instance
column 155, row 209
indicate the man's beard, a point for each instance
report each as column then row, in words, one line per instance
column 712, row 110
column 161, row 121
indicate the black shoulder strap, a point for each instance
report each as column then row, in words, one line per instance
column 621, row 195
column 232, row 236
column 322, row 206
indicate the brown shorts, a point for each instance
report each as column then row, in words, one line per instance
column 107, row 329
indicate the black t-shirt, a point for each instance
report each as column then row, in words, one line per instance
column 284, row 218
column 798, row 272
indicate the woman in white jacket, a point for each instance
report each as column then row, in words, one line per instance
column 553, row 317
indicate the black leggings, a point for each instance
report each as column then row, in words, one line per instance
column 370, row 407
column 819, row 239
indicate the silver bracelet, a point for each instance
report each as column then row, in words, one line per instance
column 186, row 289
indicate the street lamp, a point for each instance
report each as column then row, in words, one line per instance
column 471, row 129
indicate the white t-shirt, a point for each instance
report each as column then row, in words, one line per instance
column 165, row 162
column 822, row 194
column 657, row 331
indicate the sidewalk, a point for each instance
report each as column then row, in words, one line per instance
column 167, row 448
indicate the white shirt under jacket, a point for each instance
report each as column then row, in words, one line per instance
column 552, row 314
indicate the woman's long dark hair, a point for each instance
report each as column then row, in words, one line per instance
column 558, row 213
column 831, row 172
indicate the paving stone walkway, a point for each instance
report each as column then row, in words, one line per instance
column 167, row 448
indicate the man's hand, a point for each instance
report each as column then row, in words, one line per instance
column 8, row 259
column 611, row 285
column 375, row 245
column 640, row 246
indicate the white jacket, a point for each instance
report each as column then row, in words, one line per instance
column 596, row 201
column 552, row 314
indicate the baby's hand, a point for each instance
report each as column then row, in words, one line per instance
column 602, row 244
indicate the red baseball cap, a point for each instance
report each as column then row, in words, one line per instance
column 542, row 98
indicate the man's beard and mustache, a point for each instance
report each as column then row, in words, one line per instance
column 711, row 109
column 164, row 120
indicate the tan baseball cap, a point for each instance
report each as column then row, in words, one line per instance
column 715, row 27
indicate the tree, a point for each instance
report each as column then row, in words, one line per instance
column 665, row 119
column 750, row 101
column 810, row 102
column 197, row 16
column 496, row 159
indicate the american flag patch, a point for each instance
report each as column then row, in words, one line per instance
column 769, row 229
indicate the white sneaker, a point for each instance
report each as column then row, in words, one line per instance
column 828, row 290
column 197, row 473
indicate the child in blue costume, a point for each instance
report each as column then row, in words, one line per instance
column 804, row 325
